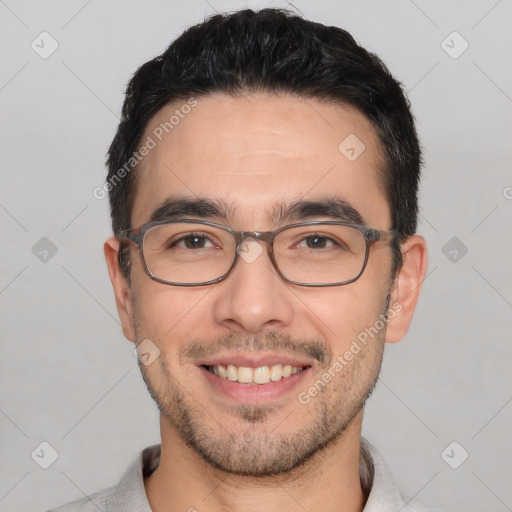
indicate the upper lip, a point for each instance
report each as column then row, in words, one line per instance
column 253, row 360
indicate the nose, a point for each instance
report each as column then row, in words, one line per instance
column 254, row 297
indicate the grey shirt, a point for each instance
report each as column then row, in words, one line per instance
column 129, row 494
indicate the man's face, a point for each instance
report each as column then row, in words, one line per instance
column 257, row 155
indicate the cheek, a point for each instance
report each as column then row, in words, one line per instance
column 169, row 318
column 341, row 314
column 164, row 313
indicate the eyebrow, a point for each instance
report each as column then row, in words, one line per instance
column 331, row 207
column 202, row 208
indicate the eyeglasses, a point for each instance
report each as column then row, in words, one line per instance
column 190, row 252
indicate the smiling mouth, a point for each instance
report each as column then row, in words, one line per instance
column 259, row 375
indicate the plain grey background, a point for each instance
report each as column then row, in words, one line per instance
column 68, row 376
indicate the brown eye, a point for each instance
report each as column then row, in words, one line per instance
column 192, row 241
column 316, row 242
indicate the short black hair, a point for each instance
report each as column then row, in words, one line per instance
column 273, row 51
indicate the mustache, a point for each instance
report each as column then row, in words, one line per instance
column 268, row 341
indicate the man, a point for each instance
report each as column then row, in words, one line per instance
column 263, row 186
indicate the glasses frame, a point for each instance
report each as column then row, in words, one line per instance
column 370, row 235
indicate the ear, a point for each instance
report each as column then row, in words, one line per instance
column 121, row 289
column 406, row 288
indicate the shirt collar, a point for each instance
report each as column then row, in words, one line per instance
column 376, row 481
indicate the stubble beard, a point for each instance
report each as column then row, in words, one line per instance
column 257, row 451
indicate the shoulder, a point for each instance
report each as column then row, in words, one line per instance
column 92, row 503
column 384, row 496
column 129, row 494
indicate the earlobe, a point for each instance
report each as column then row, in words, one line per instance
column 122, row 290
column 406, row 288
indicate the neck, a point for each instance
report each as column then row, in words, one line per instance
column 328, row 481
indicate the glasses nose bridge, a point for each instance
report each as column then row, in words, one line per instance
column 262, row 236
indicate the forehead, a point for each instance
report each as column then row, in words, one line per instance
column 254, row 152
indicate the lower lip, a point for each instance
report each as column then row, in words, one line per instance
column 254, row 393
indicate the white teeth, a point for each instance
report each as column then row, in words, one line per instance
column 276, row 372
column 260, row 375
column 221, row 371
column 245, row 374
column 232, row 372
